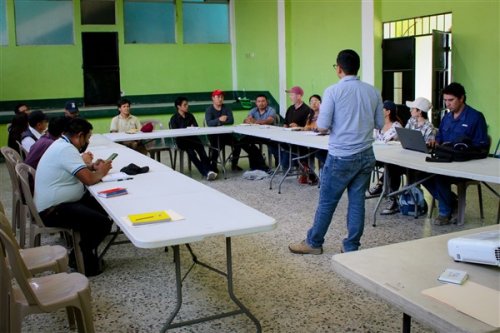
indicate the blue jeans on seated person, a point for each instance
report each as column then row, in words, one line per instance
column 341, row 173
column 440, row 188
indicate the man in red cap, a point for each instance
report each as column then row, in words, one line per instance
column 296, row 116
column 219, row 114
column 297, row 113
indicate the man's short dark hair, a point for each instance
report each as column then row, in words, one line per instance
column 36, row 117
column 261, row 95
column 349, row 61
column 18, row 106
column 57, row 126
column 77, row 125
column 455, row 89
column 123, row 101
column 178, row 101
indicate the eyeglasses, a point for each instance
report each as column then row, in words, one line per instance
column 335, row 66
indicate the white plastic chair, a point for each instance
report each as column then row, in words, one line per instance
column 37, row 227
column 42, row 294
column 12, row 158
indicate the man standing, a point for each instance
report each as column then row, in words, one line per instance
column 37, row 121
column 461, row 124
column 191, row 145
column 60, row 194
column 351, row 109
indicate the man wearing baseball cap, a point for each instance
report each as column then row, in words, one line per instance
column 219, row 114
column 296, row 116
column 297, row 113
column 71, row 110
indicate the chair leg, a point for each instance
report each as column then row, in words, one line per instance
column 480, row 197
column 181, row 161
column 78, row 253
column 22, row 225
column 71, row 317
column 86, row 310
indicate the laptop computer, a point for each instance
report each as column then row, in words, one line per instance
column 412, row 140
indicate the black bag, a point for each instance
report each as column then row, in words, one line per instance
column 459, row 152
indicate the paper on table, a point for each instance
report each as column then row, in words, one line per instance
column 173, row 217
column 465, row 298
column 111, row 177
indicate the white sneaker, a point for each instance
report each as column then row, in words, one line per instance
column 211, row 175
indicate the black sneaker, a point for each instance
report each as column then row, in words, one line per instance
column 392, row 208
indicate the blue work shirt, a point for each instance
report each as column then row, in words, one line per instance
column 351, row 109
column 255, row 114
column 469, row 124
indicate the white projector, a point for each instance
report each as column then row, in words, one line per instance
column 480, row 248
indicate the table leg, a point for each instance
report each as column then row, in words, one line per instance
column 229, row 277
column 406, row 323
column 178, row 283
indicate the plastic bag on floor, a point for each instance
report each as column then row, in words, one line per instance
column 255, row 175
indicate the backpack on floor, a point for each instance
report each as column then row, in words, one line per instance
column 407, row 202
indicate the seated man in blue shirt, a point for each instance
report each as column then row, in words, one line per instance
column 462, row 122
column 263, row 114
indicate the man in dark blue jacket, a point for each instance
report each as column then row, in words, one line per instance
column 462, row 123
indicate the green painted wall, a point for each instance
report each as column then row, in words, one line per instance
column 475, row 48
column 42, row 72
column 315, row 33
column 257, row 45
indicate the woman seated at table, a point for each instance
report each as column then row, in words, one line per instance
column 385, row 134
column 419, row 122
column 126, row 122
column 311, row 125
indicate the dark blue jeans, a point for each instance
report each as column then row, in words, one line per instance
column 341, row 173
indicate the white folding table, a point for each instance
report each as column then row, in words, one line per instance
column 399, row 272
column 163, row 189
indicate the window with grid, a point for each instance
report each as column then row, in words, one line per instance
column 417, row 26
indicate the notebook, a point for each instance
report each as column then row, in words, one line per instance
column 412, row 140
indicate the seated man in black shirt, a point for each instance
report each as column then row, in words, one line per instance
column 296, row 117
column 192, row 144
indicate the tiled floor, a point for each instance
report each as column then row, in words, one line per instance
column 286, row 292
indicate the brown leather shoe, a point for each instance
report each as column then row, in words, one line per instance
column 304, row 248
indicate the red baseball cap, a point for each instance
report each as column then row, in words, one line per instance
column 217, row 92
column 296, row 90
